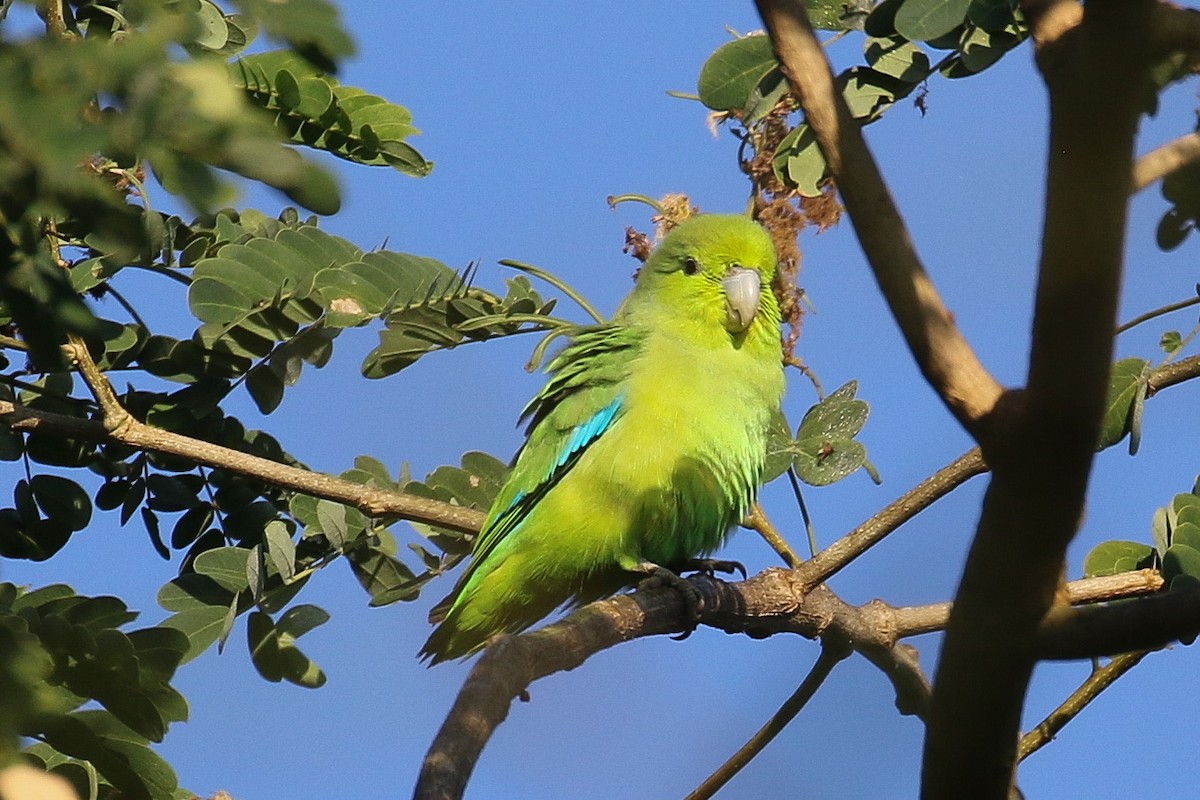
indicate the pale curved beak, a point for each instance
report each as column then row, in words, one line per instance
column 743, row 288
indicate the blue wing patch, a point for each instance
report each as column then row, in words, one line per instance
column 582, row 436
column 585, row 434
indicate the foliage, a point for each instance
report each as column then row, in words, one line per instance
column 743, row 81
column 104, row 125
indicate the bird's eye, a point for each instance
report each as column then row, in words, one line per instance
column 690, row 267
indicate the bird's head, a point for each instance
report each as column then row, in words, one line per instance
column 713, row 270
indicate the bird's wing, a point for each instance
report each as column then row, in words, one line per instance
column 578, row 404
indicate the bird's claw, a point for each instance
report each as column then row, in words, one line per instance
column 660, row 577
column 711, row 566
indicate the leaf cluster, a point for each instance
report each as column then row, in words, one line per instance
column 824, row 449
column 742, row 79
column 60, row 652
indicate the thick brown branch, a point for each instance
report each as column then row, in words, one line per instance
column 1173, row 29
column 1147, row 623
column 1042, row 446
column 916, row 620
column 368, row 499
column 940, row 350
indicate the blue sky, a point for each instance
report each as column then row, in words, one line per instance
column 534, row 113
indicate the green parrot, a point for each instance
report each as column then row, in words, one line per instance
column 645, row 447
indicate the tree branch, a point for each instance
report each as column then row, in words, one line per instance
column 1089, row 690
column 772, row 602
column 1147, row 623
column 368, row 499
column 833, row 558
column 758, row 521
column 940, row 350
column 1165, row 159
column 1174, row 28
column 1043, row 442
column 1176, row 372
column 831, row 655
column 768, row 603
column 917, row 620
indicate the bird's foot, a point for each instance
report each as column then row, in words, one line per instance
column 711, row 566
column 660, row 577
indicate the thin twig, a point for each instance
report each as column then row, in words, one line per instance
column 831, row 655
column 1157, row 312
column 1100, row 679
column 113, row 413
column 757, row 521
column 829, row 561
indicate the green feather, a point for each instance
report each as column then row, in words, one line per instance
column 646, row 444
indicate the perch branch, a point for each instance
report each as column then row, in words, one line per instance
column 768, row 603
column 943, row 355
column 774, row 601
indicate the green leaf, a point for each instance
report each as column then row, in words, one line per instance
column 825, row 448
column 1187, row 533
column 117, row 752
column 299, row 620
column 898, row 58
column 313, row 110
column 1172, row 229
column 190, row 525
column 993, row 15
column 281, row 549
column 837, row 15
column 869, row 92
column 273, row 650
column 62, row 500
column 332, row 519
column 1160, row 531
column 1171, row 342
column 310, row 27
column 383, row 576
column 226, row 566
column 214, row 33
column 982, row 48
column 1180, row 559
column 798, row 161
column 730, row 75
column 1111, row 558
column 922, row 20
column 202, row 625
column 781, row 448
column 1126, row 389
